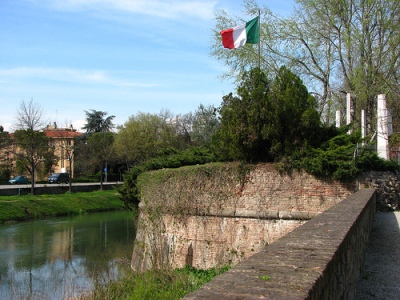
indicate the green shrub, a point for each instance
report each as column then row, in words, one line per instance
column 169, row 158
column 156, row 284
column 341, row 158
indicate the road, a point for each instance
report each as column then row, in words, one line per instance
column 13, row 186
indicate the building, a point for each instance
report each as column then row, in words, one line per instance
column 62, row 139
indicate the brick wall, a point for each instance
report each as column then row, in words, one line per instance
column 205, row 221
column 319, row 260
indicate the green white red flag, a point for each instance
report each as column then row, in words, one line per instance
column 238, row 36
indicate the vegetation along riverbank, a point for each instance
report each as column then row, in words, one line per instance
column 28, row 207
column 155, row 284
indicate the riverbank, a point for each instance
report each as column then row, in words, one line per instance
column 155, row 284
column 28, row 207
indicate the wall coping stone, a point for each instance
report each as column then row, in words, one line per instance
column 319, row 260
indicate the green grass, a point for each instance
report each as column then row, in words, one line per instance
column 155, row 284
column 20, row 208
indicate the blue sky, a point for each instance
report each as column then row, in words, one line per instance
column 117, row 56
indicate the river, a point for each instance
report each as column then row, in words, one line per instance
column 64, row 257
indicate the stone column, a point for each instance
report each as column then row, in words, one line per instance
column 382, row 128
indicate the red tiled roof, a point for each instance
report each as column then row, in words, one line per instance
column 62, row 134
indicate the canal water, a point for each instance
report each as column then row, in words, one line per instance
column 64, row 257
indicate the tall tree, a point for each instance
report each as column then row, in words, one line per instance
column 33, row 149
column 205, row 124
column 266, row 120
column 143, row 136
column 101, row 149
column 96, row 121
column 333, row 45
column 245, row 120
column 5, row 166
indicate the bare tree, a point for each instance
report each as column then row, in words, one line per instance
column 30, row 115
column 33, row 147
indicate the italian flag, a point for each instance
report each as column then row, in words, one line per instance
column 238, row 36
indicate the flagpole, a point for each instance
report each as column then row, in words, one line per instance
column 259, row 39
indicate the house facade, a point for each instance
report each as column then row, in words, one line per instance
column 62, row 140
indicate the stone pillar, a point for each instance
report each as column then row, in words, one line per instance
column 363, row 126
column 348, row 110
column 382, row 128
column 338, row 118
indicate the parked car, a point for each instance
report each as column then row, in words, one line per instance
column 18, row 180
column 58, row 178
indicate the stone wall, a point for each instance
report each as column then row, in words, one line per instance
column 203, row 241
column 387, row 185
column 212, row 217
column 319, row 260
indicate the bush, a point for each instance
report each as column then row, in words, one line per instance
column 340, row 158
column 169, row 158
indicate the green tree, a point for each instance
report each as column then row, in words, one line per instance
column 297, row 121
column 246, row 120
column 267, row 120
column 33, row 149
column 142, row 137
column 96, row 121
column 101, row 149
column 204, row 125
column 333, row 45
column 5, row 143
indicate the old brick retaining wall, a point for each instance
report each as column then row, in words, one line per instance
column 319, row 260
column 211, row 220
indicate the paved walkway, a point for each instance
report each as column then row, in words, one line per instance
column 380, row 274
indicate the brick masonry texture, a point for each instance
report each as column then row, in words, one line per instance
column 319, row 260
column 259, row 224
column 221, row 222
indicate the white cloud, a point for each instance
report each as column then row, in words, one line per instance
column 70, row 75
column 169, row 9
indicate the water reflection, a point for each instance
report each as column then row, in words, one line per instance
column 61, row 258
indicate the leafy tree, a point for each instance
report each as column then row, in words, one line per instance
column 98, row 122
column 267, row 120
column 245, row 120
column 142, row 137
column 297, row 123
column 101, row 149
column 82, row 160
column 33, row 149
column 333, row 45
column 5, row 167
column 183, row 129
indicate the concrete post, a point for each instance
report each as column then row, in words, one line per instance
column 363, row 126
column 338, row 118
column 382, row 128
column 348, row 110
